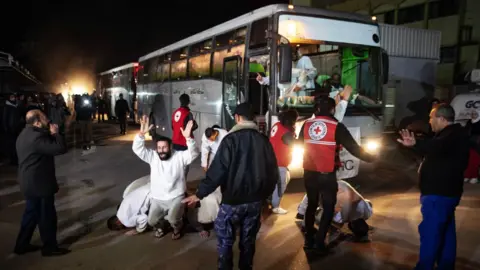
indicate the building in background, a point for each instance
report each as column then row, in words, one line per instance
column 15, row 78
column 458, row 21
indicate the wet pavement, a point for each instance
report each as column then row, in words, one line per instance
column 92, row 183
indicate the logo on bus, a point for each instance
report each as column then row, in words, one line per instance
column 472, row 104
column 317, row 130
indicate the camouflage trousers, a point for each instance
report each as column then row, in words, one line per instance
column 245, row 218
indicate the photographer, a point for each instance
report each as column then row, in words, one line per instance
column 84, row 110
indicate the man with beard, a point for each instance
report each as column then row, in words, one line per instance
column 37, row 146
column 167, row 177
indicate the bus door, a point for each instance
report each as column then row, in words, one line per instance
column 230, row 89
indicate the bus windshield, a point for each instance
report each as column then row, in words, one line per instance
column 325, row 69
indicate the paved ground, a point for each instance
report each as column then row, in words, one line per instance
column 91, row 186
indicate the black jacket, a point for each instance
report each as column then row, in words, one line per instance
column 244, row 167
column 11, row 119
column 444, row 163
column 121, row 108
column 36, row 150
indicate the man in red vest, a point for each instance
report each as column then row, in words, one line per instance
column 321, row 137
column 180, row 118
column 282, row 136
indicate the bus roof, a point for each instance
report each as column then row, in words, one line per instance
column 129, row 65
column 253, row 16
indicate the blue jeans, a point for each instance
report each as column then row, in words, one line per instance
column 438, row 239
column 282, row 185
column 244, row 217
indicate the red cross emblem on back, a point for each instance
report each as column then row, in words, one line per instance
column 317, row 130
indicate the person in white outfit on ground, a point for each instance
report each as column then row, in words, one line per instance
column 207, row 211
column 167, row 177
column 351, row 208
column 133, row 210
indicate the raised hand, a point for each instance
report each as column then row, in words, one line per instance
column 408, row 138
column 347, row 91
column 53, row 129
column 144, row 125
column 187, row 132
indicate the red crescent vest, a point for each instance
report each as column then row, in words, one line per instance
column 178, row 118
column 282, row 151
column 320, row 145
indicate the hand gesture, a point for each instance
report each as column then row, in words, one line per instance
column 408, row 138
column 144, row 125
column 53, row 129
column 187, row 132
column 191, row 200
column 347, row 91
column 259, row 78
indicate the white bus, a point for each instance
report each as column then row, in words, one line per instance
column 218, row 68
column 116, row 81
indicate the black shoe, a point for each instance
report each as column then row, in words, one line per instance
column 309, row 243
column 300, row 216
column 55, row 252
column 27, row 249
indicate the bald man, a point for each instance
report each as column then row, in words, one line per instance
column 37, row 146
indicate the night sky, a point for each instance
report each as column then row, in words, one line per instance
column 55, row 39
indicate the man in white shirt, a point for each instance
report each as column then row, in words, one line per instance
column 211, row 139
column 167, row 177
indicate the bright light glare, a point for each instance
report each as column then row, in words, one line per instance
column 297, row 157
column 372, row 146
column 291, row 29
column 79, row 90
column 86, row 101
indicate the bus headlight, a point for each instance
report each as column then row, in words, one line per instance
column 372, row 146
column 297, row 157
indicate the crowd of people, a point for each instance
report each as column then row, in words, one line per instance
column 247, row 171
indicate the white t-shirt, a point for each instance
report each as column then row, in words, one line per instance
column 167, row 177
column 211, row 147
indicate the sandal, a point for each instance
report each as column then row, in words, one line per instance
column 159, row 233
column 176, row 235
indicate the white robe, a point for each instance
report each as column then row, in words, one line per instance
column 134, row 207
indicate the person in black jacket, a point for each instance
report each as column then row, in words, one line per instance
column 12, row 125
column 441, row 186
column 37, row 147
column 246, row 169
column 121, row 111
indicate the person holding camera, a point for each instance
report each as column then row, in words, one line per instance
column 37, row 145
column 84, row 110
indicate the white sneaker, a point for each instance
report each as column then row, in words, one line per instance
column 466, row 180
column 473, row 180
column 279, row 211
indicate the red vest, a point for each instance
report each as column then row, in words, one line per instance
column 319, row 144
column 178, row 118
column 283, row 152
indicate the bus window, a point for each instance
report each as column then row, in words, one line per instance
column 258, row 34
column 179, row 64
column 258, row 93
column 146, row 69
column 199, row 61
column 229, row 44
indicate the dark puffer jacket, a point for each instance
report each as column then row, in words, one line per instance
column 244, row 167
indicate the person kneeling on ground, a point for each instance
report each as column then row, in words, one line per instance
column 133, row 210
column 167, row 177
column 205, row 212
column 351, row 208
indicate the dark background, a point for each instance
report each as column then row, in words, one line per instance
column 59, row 39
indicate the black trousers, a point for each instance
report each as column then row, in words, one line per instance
column 10, row 147
column 39, row 211
column 324, row 187
column 123, row 124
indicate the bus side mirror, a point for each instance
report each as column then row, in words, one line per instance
column 385, row 67
column 285, row 73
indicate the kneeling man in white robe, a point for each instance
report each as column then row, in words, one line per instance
column 207, row 210
column 351, row 208
column 167, row 177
